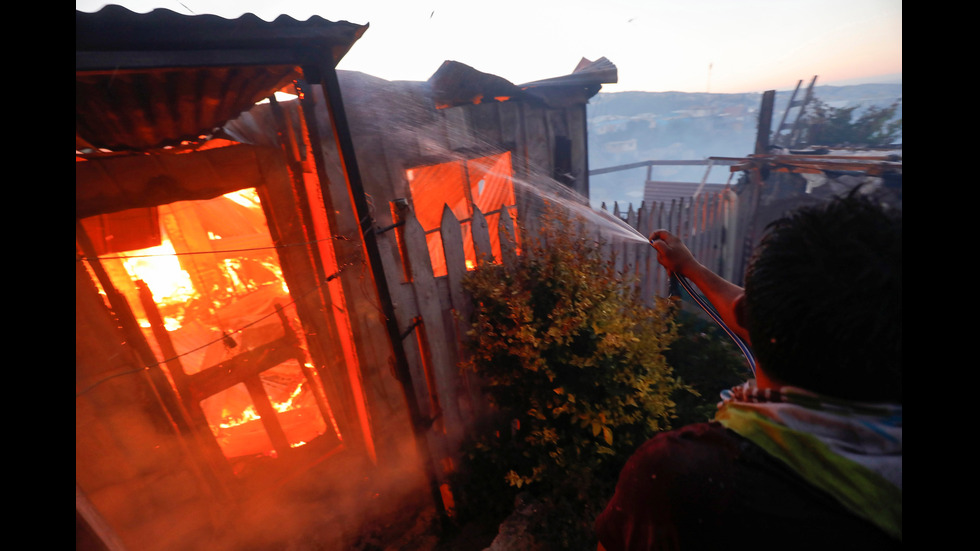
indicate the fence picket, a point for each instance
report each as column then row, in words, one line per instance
column 461, row 313
column 705, row 223
column 630, row 251
column 714, row 232
column 507, row 238
column 431, row 332
column 481, row 236
column 403, row 300
column 647, row 263
column 697, row 226
column 452, row 244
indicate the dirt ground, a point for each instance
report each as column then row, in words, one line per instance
column 512, row 534
column 426, row 532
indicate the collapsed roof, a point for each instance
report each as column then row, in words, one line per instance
column 455, row 83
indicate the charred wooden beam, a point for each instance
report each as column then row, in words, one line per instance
column 227, row 374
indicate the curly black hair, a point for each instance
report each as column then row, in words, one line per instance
column 823, row 300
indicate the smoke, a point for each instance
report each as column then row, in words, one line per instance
column 634, row 127
column 345, row 502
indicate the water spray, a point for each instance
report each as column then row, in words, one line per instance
column 677, row 280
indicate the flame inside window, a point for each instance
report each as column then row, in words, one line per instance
column 485, row 183
column 237, row 425
column 216, row 283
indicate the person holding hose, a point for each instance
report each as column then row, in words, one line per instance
column 808, row 453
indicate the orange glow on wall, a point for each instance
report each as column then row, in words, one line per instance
column 339, row 312
column 484, row 182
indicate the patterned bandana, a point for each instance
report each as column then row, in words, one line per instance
column 852, row 450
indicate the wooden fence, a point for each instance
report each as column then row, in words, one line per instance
column 708, row 224
column 433, row 312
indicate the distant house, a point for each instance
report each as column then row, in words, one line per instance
column 623, row 146
column 665, row 192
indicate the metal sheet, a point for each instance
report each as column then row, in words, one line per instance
column 145, row 81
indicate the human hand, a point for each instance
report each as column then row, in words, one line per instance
column 672, row 253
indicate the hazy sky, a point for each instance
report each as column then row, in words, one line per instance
column 658, row 45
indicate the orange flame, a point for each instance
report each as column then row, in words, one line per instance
column 228, row 420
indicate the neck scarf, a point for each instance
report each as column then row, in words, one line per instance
column 851, row 450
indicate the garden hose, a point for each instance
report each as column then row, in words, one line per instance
column 679, row 280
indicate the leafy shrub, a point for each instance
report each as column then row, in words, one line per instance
column 573, row 363
column 837, row 126
column 707, row 361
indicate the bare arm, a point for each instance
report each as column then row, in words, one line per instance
column 721, row 293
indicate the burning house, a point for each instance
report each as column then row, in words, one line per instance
column 257, row 358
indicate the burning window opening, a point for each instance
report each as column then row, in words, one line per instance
column 237, row 424
column 215, row 281
column 485, row 183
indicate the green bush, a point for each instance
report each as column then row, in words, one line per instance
column 837, row 126
column 573, row 364
column 707, row 361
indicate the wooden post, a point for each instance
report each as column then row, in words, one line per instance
column 765, row 122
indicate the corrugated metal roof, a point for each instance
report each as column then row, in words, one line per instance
column 150, row 109
column 587, row 74
column 148, row 80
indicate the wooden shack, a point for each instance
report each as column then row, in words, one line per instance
column 257, row 359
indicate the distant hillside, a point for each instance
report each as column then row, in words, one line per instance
column 628, row 127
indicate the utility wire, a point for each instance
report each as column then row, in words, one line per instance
column 219, row 251
column 215, row 341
